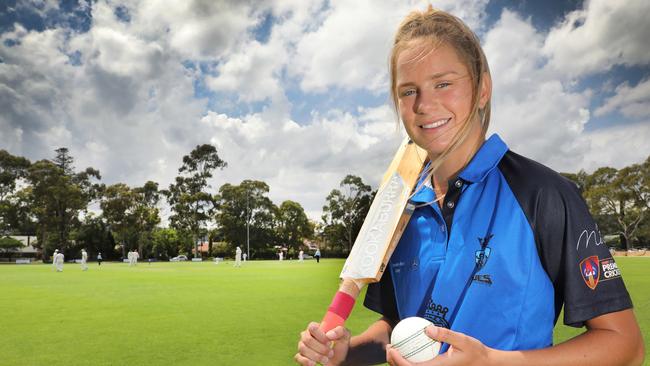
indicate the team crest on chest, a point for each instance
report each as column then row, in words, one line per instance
column 590, row 270
column 481, row 257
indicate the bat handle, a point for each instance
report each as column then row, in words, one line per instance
column 338, row 311
column 330, row 321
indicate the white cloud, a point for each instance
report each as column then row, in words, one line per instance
column 251, row 73
column 350, row 48
column 303, row 162
column 129, row 108
column 193, row 29
column 632, row 102
column 117, row 111
column 532, row 109
column 617, row 146
column 603, row 34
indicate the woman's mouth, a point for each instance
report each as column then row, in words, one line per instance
column 436, row 124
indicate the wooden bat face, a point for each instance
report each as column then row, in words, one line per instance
column 381, row 230
column 388, row 214
column 372, row 242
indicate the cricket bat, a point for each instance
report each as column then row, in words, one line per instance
column 382, row 228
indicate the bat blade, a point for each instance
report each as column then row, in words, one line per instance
column 387, row 217
column 382, row 228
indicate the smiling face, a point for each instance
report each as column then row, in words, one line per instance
column 434, row 96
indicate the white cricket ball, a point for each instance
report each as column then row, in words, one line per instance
column 413, row 344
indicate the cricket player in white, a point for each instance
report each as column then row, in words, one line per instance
column 135, row 257
column 130, row 258
column 245, row 256
column 84, row 260
column 281, row 256
column 58, row 260
column 300, row 255
column 56, row 251
column 238, row 257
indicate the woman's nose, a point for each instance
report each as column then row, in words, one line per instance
column 425, row 102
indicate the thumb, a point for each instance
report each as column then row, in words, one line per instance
column 339, row 333
column 340, row 338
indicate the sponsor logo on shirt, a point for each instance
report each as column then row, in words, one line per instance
column 595, row 270
column 397, row 266
column 415, row 264
column 609, row 269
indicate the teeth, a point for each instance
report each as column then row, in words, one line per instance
column 436, row 123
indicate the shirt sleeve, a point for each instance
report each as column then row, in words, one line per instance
column 583, row 272
column 585, row 277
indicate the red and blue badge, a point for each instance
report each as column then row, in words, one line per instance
column 590, row 270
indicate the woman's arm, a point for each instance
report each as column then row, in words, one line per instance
column 612, row 339
column 369, row 347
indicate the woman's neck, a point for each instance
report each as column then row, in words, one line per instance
column 454, row 163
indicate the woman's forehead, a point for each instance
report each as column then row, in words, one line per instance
column 436, row 57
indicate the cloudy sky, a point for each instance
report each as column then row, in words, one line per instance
column 295, row 92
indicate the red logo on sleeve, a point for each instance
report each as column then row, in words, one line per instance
column 590, row 271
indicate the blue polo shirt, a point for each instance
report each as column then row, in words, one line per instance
column 512, row 244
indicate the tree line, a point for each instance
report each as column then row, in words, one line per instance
column 51, row 200
column 619, row 200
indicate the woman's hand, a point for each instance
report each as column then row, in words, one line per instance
column 315, row 346
column 463, row 350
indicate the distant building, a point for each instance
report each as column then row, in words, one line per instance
column 204, row 248
column 26, row 251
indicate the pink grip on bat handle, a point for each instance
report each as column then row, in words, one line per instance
column 338, row 311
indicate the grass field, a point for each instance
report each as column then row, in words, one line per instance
column 186, row 313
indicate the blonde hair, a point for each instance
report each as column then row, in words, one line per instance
column 440, row 27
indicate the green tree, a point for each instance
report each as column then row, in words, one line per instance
column 165, row 242
column 192, row 206
column 119, row 206
column 58, row 195
column 345, row 210
column 94, row 236
column 16, row 213
column 293, row 226
column 245, row 212
column 7, row 244
column 621, row 195
column 147, row 214
column 12, row 213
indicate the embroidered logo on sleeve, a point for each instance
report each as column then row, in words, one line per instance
column 595, row 270
column 590, row 271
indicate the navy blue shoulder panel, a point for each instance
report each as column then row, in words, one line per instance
column 380, row 297
column 585, row 277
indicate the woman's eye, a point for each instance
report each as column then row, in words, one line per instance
column 442, row 85
column 408, row 92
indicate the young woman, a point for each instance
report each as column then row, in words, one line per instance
column 498, row 243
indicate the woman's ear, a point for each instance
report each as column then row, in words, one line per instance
column 486, row 90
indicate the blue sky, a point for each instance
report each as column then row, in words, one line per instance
column 295, row 92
